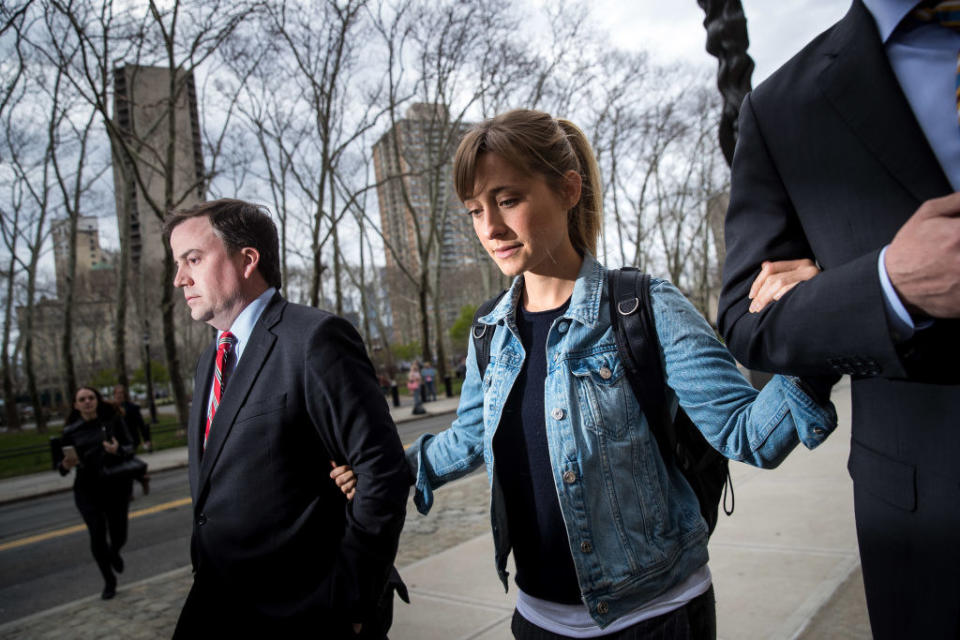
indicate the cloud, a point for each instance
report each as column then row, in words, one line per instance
column 673, row 31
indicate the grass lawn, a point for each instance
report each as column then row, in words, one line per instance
column 164, row 435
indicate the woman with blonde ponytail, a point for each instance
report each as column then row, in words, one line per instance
column 607, row 535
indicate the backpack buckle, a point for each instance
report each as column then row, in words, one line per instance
column 622, row 311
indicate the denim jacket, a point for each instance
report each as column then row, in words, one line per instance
column 633, row 522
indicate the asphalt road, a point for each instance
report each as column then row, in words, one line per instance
column 45, row 558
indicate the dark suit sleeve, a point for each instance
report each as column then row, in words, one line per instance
column 345, row 403
column 832, row 324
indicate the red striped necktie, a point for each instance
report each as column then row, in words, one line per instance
column 224, row 346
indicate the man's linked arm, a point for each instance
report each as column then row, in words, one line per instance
column 345, row 399
column 833, row 324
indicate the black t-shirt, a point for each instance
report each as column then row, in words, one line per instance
column 538, row 535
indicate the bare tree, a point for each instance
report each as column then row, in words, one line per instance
column 322, row 67
column 10, row 216
column 181, row 36
column 434, row 43
column 33, row 173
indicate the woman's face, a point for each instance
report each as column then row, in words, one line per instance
column 86, row 403
column 519, row 219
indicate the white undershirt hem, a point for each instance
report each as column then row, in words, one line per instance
column 574, row 619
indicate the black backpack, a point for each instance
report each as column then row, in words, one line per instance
column 639, row 347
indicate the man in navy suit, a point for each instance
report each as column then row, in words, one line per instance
column 849, row 155
column 283, row 390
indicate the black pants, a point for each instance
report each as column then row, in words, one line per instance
column 103, row 505
column 210, row 611
column 696, row 620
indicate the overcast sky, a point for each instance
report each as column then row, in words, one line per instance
column 673, row 29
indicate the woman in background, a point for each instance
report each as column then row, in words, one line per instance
column 99, row 440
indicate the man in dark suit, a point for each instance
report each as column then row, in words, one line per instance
column 848, row 155
column 284, row 390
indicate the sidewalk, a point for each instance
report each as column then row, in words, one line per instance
column 784, row 566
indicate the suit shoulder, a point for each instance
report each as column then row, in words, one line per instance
column 304, row 323
column 303, row 314
column 786, row 84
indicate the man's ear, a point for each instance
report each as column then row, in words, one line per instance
column 250, row 260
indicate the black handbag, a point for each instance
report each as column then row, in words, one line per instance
column 132, row 467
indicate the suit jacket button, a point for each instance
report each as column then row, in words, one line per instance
column 201, row 519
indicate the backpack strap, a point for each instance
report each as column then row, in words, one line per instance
column 631, row 317
column 482, row 334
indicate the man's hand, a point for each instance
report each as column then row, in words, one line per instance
column 345, row 478
column 923, row 261
column 776, row 278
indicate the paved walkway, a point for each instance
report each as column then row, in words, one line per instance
column 785, row 565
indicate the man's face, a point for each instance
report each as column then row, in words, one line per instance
column 210, row 276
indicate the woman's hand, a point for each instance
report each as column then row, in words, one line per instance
column 111, row 445
column 776, row 278
column 345, row 478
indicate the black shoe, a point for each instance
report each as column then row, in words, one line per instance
column 117, row 563
column 109, row 590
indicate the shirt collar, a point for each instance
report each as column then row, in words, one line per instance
column 888, row 14
column 584, row 303
column 243, row 325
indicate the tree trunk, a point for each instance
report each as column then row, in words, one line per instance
column 422, row 295
column 69, row 299
column 170, row 338
column 123, row 274
column 11, row 416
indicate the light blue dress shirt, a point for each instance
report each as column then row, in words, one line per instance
column 924, row 59
column 241, row 329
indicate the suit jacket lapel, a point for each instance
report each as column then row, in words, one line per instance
column 860, row 84
column 255, row 354
column 198, row 414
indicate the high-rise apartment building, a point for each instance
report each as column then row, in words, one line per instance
column 141, row 99
column 142, row 105
column 414, row 170
column 90, row 258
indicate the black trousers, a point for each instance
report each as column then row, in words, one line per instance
column 103, row 505
column 211, row 612
column 696, row 620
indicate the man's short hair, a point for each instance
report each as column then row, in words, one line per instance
column 239, row 224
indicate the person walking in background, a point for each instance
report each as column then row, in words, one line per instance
column 607, row 534
column 136, row 427
column 849, row 155
column 429, row 383
column 94, row 439
column 415, row 387
column 133, row 418
column 285, row 388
